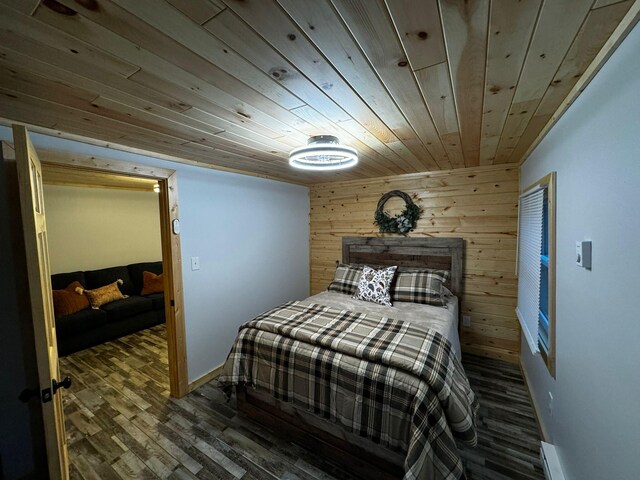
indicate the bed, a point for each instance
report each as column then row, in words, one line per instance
column 301, row 369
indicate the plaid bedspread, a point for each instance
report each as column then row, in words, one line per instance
column 391, row 381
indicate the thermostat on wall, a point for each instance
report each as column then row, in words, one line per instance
column 583, row 254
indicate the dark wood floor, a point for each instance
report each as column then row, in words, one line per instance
column 121, row 423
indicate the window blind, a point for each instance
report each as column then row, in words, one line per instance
column 529, row 249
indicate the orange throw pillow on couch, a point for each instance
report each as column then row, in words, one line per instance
column 151, row 283
column 103, row 295
column 68, row 301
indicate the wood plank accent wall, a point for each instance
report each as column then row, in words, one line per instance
column 478, row 204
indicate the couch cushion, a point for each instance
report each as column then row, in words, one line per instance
column 136, row 270
column 105, row 276
column 60, row 281
column 81, row 321
column 68, row 301
column 103, row 295
column 157, row 299
column 128, row 307
column 152, row 283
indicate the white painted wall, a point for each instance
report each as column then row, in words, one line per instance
column 90, row 228
column 595, row 148
column 252, row 238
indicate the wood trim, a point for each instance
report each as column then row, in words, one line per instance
column 53, row 174
column 174, row 304
column 544, row 181
column 413, row 248
column 83, row 185
column 620, row 33
column 207, row 377
column 103, row 164
column 551, row 197
column 541, row 430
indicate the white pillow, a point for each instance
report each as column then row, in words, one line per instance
column 375, row 285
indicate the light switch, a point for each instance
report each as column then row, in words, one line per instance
column 583, row 254
column 195, row 263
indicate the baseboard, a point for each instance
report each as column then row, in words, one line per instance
column 550, row 462
column 207, row 377
column 541, row 430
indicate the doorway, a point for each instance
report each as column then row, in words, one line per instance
column 23, row 158
column 88, row 168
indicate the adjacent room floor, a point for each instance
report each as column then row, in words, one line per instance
column 122, row 424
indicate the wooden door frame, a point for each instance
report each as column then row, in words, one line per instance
column 171, row 251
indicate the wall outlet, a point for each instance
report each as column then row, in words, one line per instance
column 466, row 320
column 195, row 263
column 550, row 405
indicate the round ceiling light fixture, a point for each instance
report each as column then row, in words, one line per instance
column 323, row 152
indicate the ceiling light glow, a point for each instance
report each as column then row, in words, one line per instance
column 323, row 152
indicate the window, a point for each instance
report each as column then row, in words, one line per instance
column 536, row 268
column 543, row 313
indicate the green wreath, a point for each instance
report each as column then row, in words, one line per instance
column 402, row 223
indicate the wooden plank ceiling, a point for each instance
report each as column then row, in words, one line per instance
column 414, row 85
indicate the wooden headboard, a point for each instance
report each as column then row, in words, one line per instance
column 436, row 253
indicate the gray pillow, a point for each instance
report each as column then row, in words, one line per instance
column 346, row 279
column 420, row 286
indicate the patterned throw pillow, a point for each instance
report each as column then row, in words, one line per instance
column 420, row 286
column 68, row 301
column 103, row 295
column 375, row 285
column 151, row 283
column 346, row 279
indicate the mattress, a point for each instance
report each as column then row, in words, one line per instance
column 444, row 320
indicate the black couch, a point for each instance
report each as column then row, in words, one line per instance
column 91, row 327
